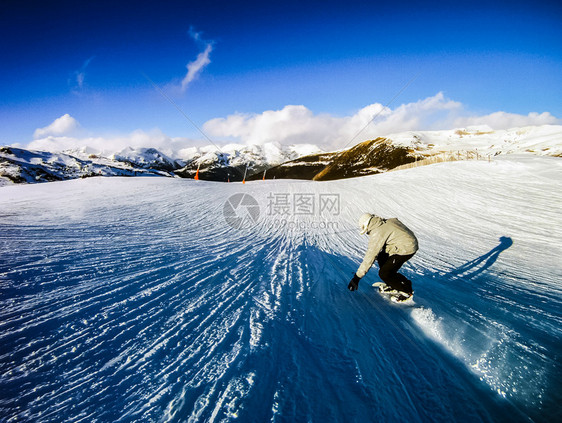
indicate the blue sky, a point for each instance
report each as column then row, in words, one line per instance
column 333, row 58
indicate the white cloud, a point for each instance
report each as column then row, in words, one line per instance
column 110, row 144
column 290, row 125
column 195, row 67
column 64, row 125
column 503, row 120
column 293, row 125
column 297, row 124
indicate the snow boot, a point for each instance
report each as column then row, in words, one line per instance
column 401, row 297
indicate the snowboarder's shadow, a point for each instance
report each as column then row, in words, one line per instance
column 475, row 267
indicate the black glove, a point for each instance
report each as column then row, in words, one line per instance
column 354, row 284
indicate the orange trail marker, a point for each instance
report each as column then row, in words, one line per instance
column 197, row 173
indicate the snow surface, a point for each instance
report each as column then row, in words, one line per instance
column 132, row 299
column 539, row 140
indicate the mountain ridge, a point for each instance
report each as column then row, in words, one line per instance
column 236, row 162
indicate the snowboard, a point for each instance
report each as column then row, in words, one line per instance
column 392, row 295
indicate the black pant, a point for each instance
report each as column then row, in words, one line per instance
column 388, row 271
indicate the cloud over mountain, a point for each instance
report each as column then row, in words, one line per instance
column 63, row 125
column 295, row 124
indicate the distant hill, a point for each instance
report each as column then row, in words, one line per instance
column 18, row 165
column 384, row 154
column 305, row 161
column 233, row 162
column 365, row 158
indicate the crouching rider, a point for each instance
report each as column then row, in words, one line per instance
column 392, row 244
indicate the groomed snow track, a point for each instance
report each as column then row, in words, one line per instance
column 133, row 299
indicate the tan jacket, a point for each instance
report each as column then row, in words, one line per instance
column 390, row 234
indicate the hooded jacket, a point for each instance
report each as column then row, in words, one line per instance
column 388, row 234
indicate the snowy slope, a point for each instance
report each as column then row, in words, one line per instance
column 131, row 299
column 539, row 140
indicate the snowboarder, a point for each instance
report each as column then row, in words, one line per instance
column 392, row 244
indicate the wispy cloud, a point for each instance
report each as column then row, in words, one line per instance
column 80, row 75
column 195, row 67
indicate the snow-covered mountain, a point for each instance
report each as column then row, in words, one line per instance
column 366, row 158
column 543, row 140
column 18, row 165
column 306, row 161
column 147, row 158
column 233, row 161
column 387, row 153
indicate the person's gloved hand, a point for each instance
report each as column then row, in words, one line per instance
column 354, row 284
